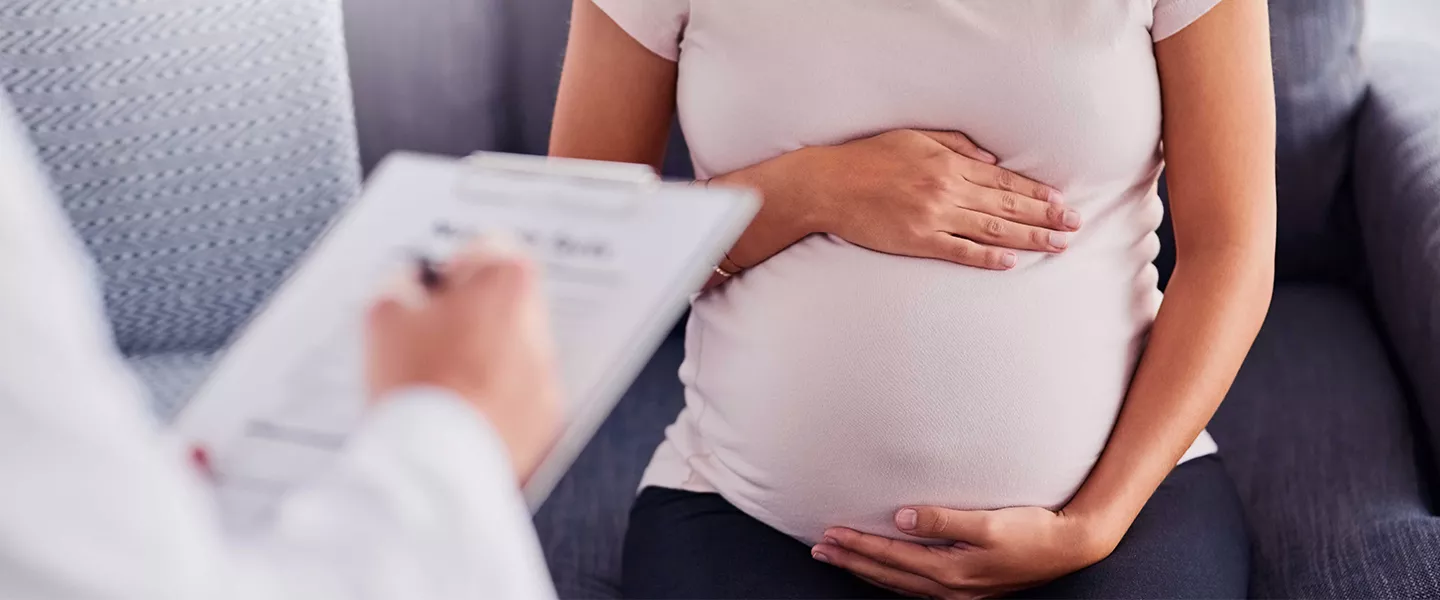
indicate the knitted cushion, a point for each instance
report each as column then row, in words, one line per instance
column 198, row 145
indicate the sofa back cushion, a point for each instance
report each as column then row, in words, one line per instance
column 1320, row 83
column 199, row 146
column 427, row 75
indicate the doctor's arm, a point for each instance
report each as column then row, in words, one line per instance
column 424, row 503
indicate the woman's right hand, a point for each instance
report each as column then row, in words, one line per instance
column 927, row 194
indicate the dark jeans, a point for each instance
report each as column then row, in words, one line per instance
column 1189, row 542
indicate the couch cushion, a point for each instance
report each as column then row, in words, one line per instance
column 1319, row 441
column 582, row 525
column 1319, row 83
column 1397, row 182
column 198, row 145
column 427, row 75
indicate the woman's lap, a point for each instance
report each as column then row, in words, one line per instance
column 1189, row 541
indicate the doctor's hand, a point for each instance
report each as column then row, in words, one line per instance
column 482, row 333
column 992, row 552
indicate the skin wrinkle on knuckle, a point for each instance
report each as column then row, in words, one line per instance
column 939, row 523
column 993, row 227
column 961, row 252
column 1006, row 180
column 1009, row 203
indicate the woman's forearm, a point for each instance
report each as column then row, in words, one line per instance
column 1213, row 309
column 1219, row 134
column 923, row 194
column 790, row 212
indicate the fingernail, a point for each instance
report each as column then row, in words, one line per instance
column 818, row 556
column 1058, row 240
column 829, row 540
column 1056, row 197
column 906, row 519
column 989, row 158
column 1072, row 219
column 1008, row 260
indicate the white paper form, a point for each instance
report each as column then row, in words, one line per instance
column 619, row 263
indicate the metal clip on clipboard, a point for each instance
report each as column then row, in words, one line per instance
column 557, row 180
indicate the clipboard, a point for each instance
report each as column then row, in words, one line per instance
column 621, row 253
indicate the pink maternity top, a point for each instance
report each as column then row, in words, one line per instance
column 832, row 385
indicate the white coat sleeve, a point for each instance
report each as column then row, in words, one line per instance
column 423, row 503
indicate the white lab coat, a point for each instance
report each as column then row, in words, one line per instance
column 96, row 503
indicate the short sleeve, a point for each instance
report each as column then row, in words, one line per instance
column 1172, row 16
column 656, row 24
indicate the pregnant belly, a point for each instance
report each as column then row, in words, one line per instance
column 834, row 385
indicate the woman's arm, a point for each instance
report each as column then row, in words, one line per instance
column 617, row 98
column 924, row 194
column 1219, row 102
column 616, row 103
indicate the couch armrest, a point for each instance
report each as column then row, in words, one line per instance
column 1397, row 181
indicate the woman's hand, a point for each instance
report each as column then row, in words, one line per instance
column 995, row 552
column 926, row 194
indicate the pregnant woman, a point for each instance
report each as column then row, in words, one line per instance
column 937, row 364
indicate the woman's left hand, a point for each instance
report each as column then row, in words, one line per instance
column 994, row 552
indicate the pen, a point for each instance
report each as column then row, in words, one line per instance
column 429, row 274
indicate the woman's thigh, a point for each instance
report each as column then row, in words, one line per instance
column 685, row 545
column 1189, row 541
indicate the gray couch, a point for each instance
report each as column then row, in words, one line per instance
column 200, row 145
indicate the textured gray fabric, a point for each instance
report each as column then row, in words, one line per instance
column 1398, row 200
column 582, row 525
column 1319, row 82
column 1319, row 441
column 199, row 146
column 427, row 75
column 534, row 49
column 171, row 379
